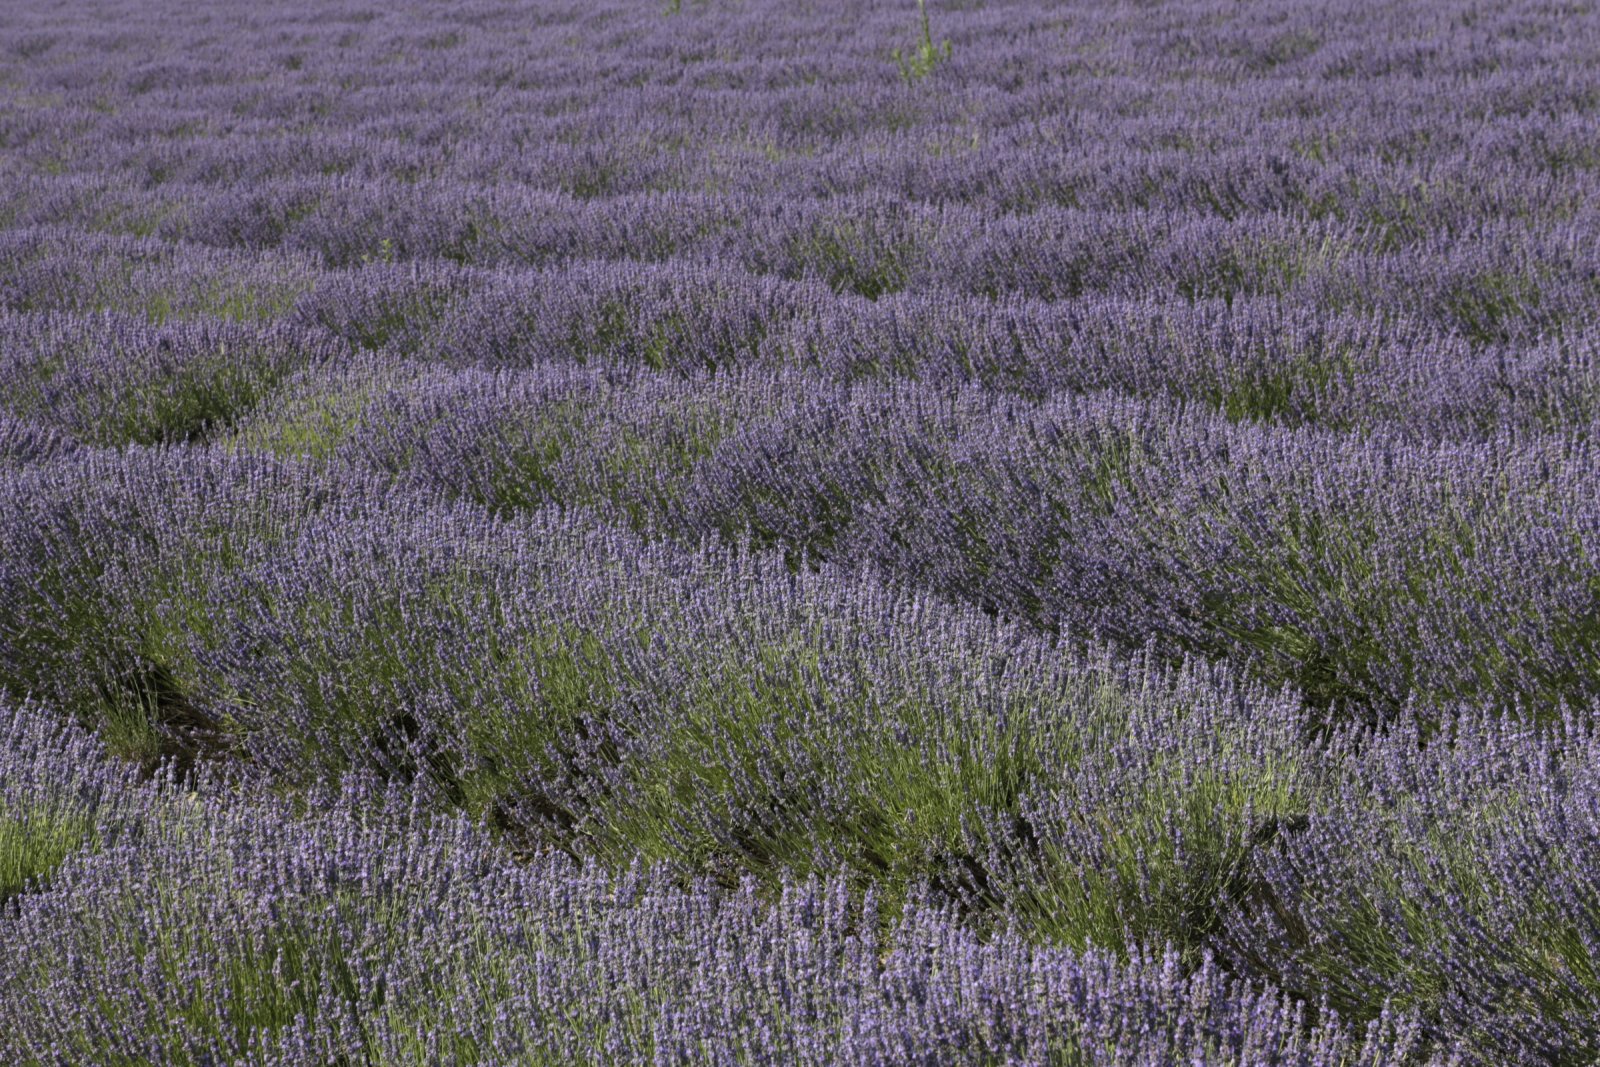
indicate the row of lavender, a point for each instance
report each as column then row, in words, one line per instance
column 1368, row 571
column 1474, row 364
column 364, row 929
column 1498, row 280
column 717, row 715
column 1188, row 163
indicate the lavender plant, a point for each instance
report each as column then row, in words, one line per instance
column 59, row 793
column 568, row 694
column 1452, row 878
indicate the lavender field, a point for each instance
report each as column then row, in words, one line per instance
column 800, row 532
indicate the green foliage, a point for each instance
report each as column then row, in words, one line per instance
column 71, row 631
column 315, row 413
column 1167, row 860
column 188, row 401
column 1288, row 393
column 236, row 299
column 1491, row 308
column 922, row 61
column 384, row 253
column 193, row 403
column 639, row 478
column 34, row 841
column 756, row 781
column 857, row 256
column 514, row 749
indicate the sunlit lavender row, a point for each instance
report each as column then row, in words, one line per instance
column 199, row 926
column 807, row 532
column 1365, row 570
column 1250, row 359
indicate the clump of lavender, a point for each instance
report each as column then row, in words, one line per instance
column 1449, row 872
column 116, row 379
column 58, row 792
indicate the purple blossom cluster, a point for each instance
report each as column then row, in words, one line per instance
column 987, row 531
